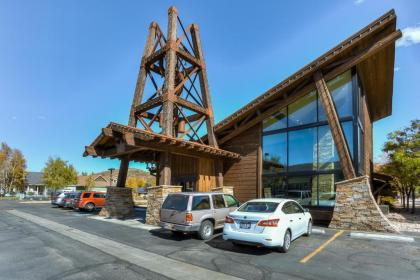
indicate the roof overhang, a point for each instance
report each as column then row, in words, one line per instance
column 118, row 141
column 371, row 51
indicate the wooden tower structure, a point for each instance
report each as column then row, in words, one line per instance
column 171, row 121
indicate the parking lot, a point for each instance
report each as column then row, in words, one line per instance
column 38, row 241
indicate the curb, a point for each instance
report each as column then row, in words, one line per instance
column 133, row 223
column 383, row 237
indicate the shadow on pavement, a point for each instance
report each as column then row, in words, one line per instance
column 218, row 243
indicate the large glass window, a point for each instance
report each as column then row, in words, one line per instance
column 274, row 153
column 276, row 121
column 327, row 152
column 300, row 158
column 303, row 111
column 302, row 149
column 341, row 91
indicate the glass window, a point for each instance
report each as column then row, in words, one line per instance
column 348, row 134
column 200, row 202
column 327, row 152
column 99, row 195
column 259, row 207
column 218, row 201
column 231, row 201
column 176, row 202
column 302, row 149
column 276, row 121
column 303, row 189
column 361, row 154
column 274, row 150
column 273, row 186
column 326, row 189
column 341, row 92
column 303, row 111
column 86, row 195
column 296, row 209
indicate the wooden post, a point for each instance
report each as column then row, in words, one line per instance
column 141, row 79
column 335, row 126
column 122, row 173
column 170, row 71
column 219, row 172
column 204, row 86
column 165, row 168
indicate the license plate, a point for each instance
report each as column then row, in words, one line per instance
column 245, row 225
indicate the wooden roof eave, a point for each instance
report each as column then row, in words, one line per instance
column 307, row 71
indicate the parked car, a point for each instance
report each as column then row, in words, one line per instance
column 196, row 212
column 269, row 222
column 90, row 201
column 69, row 199
column 57, row 198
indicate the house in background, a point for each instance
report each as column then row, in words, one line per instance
column 34, row 184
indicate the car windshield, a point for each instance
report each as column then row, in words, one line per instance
column 259, row 207
column 176, row 202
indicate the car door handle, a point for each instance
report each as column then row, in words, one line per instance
column 300, row 218
column 291, row 220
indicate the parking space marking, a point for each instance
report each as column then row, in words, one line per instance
column 168, row 267
column 321, row 248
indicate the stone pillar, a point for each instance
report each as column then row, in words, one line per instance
column 224, row 189
column 155, row 198
column 119, row 203
column 356, row 209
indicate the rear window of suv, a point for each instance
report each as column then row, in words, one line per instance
column 86, row 195
column 176, row 202
column 200, row 202
column 259, row 207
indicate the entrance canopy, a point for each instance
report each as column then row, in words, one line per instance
column 118, row 141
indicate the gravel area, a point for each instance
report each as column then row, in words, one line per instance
column 405, row 221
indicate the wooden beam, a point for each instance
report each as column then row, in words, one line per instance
column 335, row 126
column 90, row 151
column 141, row 79
column 129, row 139
column 193, row 107
column 107, row 132
column 148, row 105
column 205, row 91
column 122, row 172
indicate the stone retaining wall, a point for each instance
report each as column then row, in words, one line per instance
column 119, row 203
column 224, row 189
column 155, row 198
column 356, row 209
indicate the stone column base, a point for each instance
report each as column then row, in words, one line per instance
column 224, row 189
column 155, row 198
column 119, row 203
column 356, row 209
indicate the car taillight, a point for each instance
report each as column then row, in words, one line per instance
column 268, row 223
column 188, row 217
column 229, row 220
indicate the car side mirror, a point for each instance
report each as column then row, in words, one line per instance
column 306, row 210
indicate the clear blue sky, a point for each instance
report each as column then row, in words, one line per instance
column 67, row 68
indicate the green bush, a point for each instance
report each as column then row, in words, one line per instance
column 9, row 198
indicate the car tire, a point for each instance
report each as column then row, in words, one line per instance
column 90, row 207
column 286, row 242
column 206, row 230
column 309, row 228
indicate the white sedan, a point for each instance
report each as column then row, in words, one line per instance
column 269, row 222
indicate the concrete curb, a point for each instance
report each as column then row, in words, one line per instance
column 318, row 231
column 36, row 202
column 383, row 237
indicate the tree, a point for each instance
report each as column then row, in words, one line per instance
column 58, row 173
column 134, row 183
column 12, row 169
column 403, row 150
column 90, row 182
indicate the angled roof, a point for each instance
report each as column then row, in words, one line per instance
column 34, row 178
column 376, row 71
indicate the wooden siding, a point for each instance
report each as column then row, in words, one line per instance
column 206, row 175
column 368, row 155
column 243, row 175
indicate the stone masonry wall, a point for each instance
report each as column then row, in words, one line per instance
column 224, row 189
column 155, row 198
column 118, row 204
column 356, row 209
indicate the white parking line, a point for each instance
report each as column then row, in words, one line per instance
column 318, row 231
column 156, row 263
column 386, row 237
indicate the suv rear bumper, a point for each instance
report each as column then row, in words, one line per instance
column 178, row 227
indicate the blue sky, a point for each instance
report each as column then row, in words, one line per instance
column 67, row 68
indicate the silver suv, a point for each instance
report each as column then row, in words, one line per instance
column 196, row 212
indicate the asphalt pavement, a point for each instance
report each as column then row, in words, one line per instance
column 32, row 248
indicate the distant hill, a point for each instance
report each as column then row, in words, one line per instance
column 102, row 179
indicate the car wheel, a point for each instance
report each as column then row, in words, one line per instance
column 90, row 206
column 286, row 242
column 309, row 228
column 206, row 230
